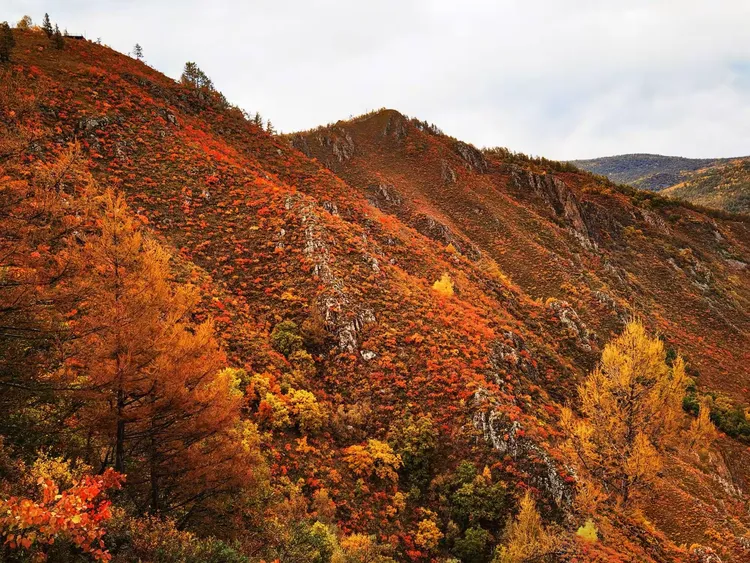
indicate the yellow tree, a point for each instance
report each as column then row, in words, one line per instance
column 526, row 539
column 157, row 400
column 632, row 410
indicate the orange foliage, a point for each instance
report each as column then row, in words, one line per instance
column 77, row 515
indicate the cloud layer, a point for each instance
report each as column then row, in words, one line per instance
column 573, row 79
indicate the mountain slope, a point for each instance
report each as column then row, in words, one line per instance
column 556, row 234
column 720, row 183
column 344, row 230
column 651, row 172
column 721, row 186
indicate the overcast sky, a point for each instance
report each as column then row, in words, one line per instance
column 560, row 78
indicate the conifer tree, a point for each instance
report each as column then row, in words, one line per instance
column 25, row 23
column 138, row 51
column 157, row 399
column 57, row 38
column 632, row 411
column 526, row 539
column 194, row 77
column 47, row 26
column 7, row 42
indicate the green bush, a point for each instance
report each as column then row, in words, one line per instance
column 474, row 547
column 286, row 339
column 476, row 499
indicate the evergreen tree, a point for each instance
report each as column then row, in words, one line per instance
column 47, row 26
column 7, row 42
column 270, row 128
column 57, row 38
column 138, row 51
column 194, row 77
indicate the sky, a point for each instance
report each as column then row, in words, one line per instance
column 563, row 79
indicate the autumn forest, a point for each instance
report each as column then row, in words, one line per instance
column 368, row 342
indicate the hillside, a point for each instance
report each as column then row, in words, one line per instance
column 721, row 186
column 720, row 183
column 405, row 315
column 651, row 172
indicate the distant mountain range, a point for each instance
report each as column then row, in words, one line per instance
column 720, row 183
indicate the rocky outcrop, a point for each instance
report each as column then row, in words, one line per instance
column 168, row 116
column 513, row 353
column 337, row 140
column 434, row 229
column 383, row 195
column 343, row 147
column 473, row 158
column 396, row 126
column 622, row 312
column 92, row 123
column 560, row 199
column 447, row 174
column 584, row 337
column 343, row 315
column 299, row 142
column 703, row 554
column 506, row 437
column 655, row 221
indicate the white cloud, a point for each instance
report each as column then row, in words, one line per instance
column 564, row 79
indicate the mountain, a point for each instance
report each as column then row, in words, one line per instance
column 719, row 183
column 408, row 317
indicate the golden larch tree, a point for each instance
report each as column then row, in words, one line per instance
column 631, row 407
column 158, row 403
column 526, row 538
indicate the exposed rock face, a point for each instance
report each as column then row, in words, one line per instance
column 396, row 126
column 473, row 158
column 331, row 207
column 343, row 147
column 168, row 116
column 92, row 123
column 447, row 173
column 611, row 303
column 568, row 317
column 738, row 265
column 436, row 230
column 561, row 199
column 504, row 436
column 344, row 317
column 655, row 221
column 299, row 142
column 702, row 554
column 383, row 195
column 515, row 355
column 368, row 355
column 338, row 140
column 432, row 228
